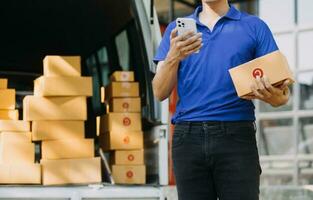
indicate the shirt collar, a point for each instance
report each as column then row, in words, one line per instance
column 232, row 13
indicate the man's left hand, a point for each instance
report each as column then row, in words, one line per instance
column 264, row 91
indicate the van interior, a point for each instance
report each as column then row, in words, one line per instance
column 106, row 34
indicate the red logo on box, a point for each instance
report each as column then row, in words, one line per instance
column 126, row 121
column 131, row 157
column 126, row 140
column 124, row 76
column 125, row 105
column 257, row 72
column 129, row 174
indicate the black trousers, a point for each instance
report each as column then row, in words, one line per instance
column 216, row 160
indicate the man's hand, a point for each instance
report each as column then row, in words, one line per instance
column 183, row 45
column 264, row 91
column 180, row 47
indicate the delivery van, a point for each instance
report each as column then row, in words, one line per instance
column 109, row 35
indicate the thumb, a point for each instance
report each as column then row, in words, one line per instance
column 173, row 33
column 285, row 84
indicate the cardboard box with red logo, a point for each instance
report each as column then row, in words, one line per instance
column 123, row 76
column 273, row 65
column 121, row 129
column 120, row 122
column 129, row 174
column 117, row 140
column 125, row 105
column 128, row 157
column 122, row 89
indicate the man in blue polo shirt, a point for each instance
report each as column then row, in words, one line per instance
column 214, row 146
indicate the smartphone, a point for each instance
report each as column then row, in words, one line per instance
column 184, row 25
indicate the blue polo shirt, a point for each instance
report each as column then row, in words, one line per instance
column 205, row 89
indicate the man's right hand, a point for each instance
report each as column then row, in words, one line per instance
column 183, row 45
column 180, row 47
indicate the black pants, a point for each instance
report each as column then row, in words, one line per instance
column 216, row 160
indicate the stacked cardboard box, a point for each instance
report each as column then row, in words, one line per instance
column 121, row 129
column 58, row 110
column 17, row 152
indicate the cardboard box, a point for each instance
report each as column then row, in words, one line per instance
column 54, row 108
column 131, row 157
column 119, row 122
column 122, row 89
column 16, row 148
column 20, row 174
column 71, row 171
column 56, row 130
column 273, row 65
column 7, row 99
column 125, row 105
column 98, row 119
column 129, row 174
column 14, row 125
column 102, row 94
column 3, row 83
column 63, row 86
column 121, row 140
column 64, row 149
column 8, row 114
column 126, row 76
column 62, row 66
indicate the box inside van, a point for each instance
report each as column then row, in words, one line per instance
column 109, row 35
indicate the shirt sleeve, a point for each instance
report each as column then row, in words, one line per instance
column 164, row 45
column 265, row 40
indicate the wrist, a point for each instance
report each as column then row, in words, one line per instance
column 172, row 60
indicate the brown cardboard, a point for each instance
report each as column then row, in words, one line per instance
column 56, row 130
column 8, row 114
column 125, row 105
column 63, row 86
column 98, row 118
column 131, row 157
column 71, row 171
column 61, row 66
column 122, row 89
column 273, row 65
column 102, row 94
column 119, row 122
column 129, row 174
column 121, row 140
column 16, row 148
column 14, row 125
column 20, row 174
column 3, row 83
column 64, row 149
column 7, row 99
column 126, row 76
column 54, row 108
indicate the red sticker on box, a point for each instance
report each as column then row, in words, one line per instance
column 126, row 121
column 257, row 72
column 131, row 157
column 126, row 140
column 125, row 105
column 124, row 76
column 129, row 174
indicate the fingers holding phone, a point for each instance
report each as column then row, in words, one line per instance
column 184, row 39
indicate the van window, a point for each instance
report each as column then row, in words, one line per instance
column 122, row 45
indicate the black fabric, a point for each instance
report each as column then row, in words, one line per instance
column 216, row 160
